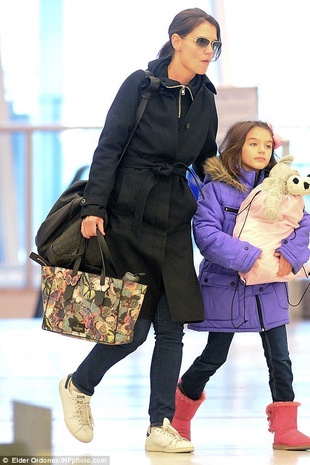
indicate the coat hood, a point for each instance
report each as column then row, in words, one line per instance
column 159, row 67
column 215, row 171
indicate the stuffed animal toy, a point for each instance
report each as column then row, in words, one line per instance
column 277, row 185
column 268, row 215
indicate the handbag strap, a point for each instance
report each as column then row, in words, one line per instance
column 105, row 252
column 105, row 255
column 153, row 85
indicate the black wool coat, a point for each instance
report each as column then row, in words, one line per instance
column 146, row 201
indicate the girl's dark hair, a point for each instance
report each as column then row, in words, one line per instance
column 183, row 23
column 231, row 147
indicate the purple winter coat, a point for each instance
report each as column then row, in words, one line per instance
column 229, row 305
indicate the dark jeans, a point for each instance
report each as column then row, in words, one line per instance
column 215, row 354
column 165, row 364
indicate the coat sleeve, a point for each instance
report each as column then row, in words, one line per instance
column 214, row 243
column 118, row 126
column 295, row 248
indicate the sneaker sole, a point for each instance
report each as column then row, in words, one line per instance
column 169, row 451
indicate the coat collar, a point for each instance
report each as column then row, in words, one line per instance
column 159, row 67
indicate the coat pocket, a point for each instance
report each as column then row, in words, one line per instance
column 222, row 296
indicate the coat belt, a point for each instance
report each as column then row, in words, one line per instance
column 155, row 172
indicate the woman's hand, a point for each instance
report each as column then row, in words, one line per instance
column 90, row 224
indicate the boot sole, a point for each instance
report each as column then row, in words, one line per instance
column 283, row 447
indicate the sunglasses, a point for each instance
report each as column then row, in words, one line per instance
column 202, row 42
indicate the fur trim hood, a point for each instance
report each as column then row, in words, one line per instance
column 215, row 171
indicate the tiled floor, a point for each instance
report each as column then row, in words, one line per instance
column 230, row 428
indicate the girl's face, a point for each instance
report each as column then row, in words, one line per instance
column 256, row 150
column 192, row 56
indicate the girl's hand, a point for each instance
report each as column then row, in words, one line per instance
column 256, row 264
column 90, row 224
column 285, row 267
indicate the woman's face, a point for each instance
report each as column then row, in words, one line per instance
column 191, row 58
column 256, row 150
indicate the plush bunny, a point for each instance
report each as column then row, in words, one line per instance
column 268, row 215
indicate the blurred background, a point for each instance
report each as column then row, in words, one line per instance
column 61, row 63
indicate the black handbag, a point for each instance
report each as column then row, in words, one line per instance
column 59, row 240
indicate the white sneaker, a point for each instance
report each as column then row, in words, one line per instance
column 166, row 439
column 76, row 408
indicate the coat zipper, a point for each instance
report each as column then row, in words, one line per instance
column 182, row 92
column 260, row 315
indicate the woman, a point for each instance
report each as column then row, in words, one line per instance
column 144, row 207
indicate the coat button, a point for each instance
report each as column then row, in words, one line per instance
column 260, row 289
column 246, row 248
column 188, row 125
column 206, row 280
column 232, row 284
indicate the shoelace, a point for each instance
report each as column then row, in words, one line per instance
column 170, row 431
column 84, row 413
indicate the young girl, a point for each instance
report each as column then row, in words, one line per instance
column 246, row 157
